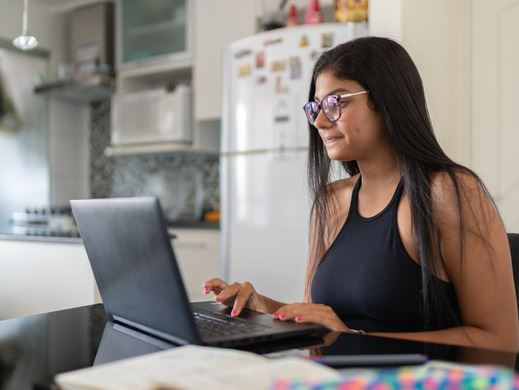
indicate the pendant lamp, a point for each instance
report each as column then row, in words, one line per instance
column 25, row 41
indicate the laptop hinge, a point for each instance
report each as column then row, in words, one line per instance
column 150, row 331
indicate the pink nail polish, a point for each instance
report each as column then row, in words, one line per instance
column 275, row 315
column 298, row 319
column 283, row 315
column 234, row 312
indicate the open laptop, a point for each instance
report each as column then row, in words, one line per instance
column 137, row 274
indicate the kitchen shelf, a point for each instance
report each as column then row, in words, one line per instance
column 153, row 148
column 174, row 66
column 157, row 28
column 93, row 89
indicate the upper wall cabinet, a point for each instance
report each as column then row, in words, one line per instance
column 217, row 24
column 164, row 44
column 146, row 29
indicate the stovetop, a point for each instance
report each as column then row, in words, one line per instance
column 43, row 222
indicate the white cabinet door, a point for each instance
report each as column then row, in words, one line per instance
column 198, row 256
column 38, row 277
column 217, row 23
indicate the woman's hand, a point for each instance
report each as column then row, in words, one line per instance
column 314, row 313
column 237, row 295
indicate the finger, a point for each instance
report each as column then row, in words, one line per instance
column 329, row 321
column 288, row 312
column 241, row 299
column 215, row 285
column 228, row 293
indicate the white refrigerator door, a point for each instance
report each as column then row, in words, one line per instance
column 267, row 222
column 266, row 80
column 264, row 196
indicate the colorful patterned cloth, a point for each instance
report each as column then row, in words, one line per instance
column 433, row 375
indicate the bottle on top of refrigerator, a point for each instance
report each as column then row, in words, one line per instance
column 313, row 14
column 292, row 16
column 351, row 11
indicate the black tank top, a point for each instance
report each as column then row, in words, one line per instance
column 369, row 279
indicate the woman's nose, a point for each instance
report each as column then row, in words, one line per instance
column 322, row 122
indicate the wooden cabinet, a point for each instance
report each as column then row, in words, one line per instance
column 198, row 256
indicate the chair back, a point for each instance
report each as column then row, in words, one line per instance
column 513, row 239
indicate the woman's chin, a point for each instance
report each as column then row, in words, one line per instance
column 335, row 156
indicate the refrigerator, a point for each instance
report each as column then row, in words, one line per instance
column 265, row 202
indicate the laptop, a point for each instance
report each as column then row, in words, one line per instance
column 141, row 286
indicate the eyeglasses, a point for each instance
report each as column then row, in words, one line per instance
column 331, row 105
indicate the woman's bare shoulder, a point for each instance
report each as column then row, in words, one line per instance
column 462, row 207
column 449, row 191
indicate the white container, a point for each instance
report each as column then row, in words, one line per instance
column 152, row 116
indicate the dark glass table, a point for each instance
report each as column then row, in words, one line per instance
column 34, row 349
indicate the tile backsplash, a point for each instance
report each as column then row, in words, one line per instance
column 186, row 183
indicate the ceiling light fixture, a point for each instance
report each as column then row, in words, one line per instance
column 25, row 41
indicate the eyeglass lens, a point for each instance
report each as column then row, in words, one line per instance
column 331, row 106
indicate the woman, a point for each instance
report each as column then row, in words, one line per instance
column 410, row 245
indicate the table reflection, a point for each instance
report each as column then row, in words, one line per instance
column 34, row 349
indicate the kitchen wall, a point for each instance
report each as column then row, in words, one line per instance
column 186, row 183
column 39, row 20
column 23, row 134
column 24, row 168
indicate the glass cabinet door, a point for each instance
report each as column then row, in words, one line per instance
column 153, row 29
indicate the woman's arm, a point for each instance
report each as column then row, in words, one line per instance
column 480, row 269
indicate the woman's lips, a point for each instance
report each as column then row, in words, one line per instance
column 330, row 140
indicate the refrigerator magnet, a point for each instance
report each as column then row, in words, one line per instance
column 260, row 59
column 244, row 70
column 260, row 80
column 242, row 53
column 280, row 86
column 303, row 42
column 277, row 66
column 294, row 64
column 314, row 54
column 326, row 40
column 281, row 124
column 273, row 41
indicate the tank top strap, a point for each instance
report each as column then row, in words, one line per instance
column 398, row 193
column 355, row 197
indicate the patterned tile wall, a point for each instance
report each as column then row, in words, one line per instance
column 186, row 183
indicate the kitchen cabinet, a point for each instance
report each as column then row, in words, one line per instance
column 39, row 276
column 153, row 57
column 198, row 256
column 153, row 32
column 42, row 276
column 217, row 23
column 208, row 26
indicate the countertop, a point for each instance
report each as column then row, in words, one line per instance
column 6, row 233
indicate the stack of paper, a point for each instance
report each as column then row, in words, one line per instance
column 194, row 367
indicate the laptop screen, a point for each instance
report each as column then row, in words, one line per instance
column 134, row 265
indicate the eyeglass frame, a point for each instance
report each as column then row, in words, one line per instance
column 343, row 96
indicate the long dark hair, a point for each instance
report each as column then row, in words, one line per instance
column 396, row 93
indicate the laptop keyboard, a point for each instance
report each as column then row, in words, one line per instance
column 215, row 326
